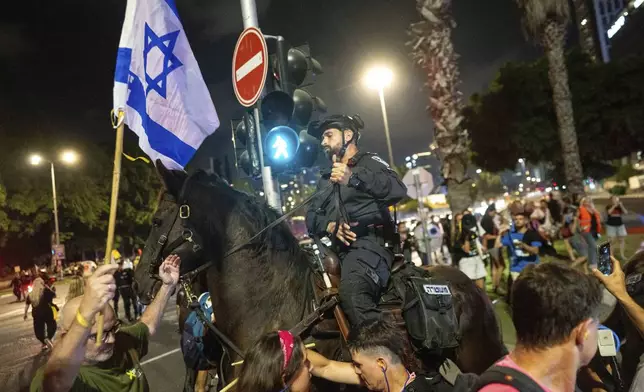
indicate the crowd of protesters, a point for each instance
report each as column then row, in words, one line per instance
column 484, row 246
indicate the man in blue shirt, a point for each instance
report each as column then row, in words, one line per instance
column 522, row 242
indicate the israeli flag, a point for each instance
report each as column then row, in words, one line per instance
column 158, row 84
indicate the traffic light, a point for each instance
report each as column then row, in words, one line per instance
column 245, row 143
column 281, row 145
column 288, row 105
column 289, row 69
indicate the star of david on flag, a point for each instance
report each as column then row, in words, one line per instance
column 158, row 84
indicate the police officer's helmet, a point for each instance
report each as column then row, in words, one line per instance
column 339, row 121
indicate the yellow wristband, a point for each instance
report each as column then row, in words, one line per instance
column 81, row 320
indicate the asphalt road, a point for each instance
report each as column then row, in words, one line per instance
column 20, row 354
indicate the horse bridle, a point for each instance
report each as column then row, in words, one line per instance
column 162, row 248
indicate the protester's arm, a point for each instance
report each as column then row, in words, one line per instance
column 502, row 239
column 533, row 248
column 467, row 246
column 532, row 243
column 574, row 224
column 616, row 284
column 68, row 354
column 334, row 371
column 169, row 274
column 624, row 210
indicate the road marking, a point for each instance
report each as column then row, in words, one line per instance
column 248, row 66
column 160, row 356
column 6, row 295
column 15, row 311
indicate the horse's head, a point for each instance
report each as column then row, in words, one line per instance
column 174, row 231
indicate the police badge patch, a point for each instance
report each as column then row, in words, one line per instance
column 436, row 289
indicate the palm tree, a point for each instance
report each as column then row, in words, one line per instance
column 547, row 21
column 432, row 50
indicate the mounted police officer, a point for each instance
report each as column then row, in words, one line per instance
column 366, row 237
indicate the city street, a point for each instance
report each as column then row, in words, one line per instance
column 20, row 353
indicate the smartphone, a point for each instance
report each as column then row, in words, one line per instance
column 604, row 264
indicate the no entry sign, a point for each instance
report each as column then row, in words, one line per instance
column 250, row 64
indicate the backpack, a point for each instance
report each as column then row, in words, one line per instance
column 428, row 310
column 506, row 376
column 192, row 336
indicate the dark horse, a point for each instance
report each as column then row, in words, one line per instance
column 265, row 285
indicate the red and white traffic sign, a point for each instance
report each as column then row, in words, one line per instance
column 250, row 65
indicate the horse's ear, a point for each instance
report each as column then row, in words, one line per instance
column 172, row 179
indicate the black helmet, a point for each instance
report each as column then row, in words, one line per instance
column 339, row 121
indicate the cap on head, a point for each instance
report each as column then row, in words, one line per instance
column 339, row 121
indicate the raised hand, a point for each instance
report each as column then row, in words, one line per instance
column 99, row 290
column 169, row 270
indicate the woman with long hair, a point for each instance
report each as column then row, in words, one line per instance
column 41, row 301
column 277, row 362
column 76, row 286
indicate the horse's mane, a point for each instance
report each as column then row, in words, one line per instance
column 209, row 190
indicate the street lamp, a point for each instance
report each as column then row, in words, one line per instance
column 68, row 157
column 378, row 78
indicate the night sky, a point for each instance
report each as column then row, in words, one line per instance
column 57, row 60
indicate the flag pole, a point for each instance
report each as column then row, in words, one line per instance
column 116, row 179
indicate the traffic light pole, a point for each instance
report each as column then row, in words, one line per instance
column 249, row 16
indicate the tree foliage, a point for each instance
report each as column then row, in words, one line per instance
column 83, row 193
column 488, row 186
column 515, row 117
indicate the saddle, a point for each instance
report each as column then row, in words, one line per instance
column 334, row 322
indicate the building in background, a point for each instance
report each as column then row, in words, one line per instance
column 629, row 39
column 604, row 24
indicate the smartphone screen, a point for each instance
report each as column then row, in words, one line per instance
column 604, row 265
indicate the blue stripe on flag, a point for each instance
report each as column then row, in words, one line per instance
column 160, row 139
column 123, row 60
column 173, row 7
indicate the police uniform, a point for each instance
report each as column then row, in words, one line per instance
column 366, row 262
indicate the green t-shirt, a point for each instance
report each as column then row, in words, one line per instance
column 121, row 373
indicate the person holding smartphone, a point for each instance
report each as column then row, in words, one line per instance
column 615, row 282
column 615, row 229
column 522, row 242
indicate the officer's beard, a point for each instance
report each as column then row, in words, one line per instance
column 330, row 152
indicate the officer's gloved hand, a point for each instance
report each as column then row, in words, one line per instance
column 344, row 233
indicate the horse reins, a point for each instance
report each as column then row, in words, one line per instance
column 192, row 274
